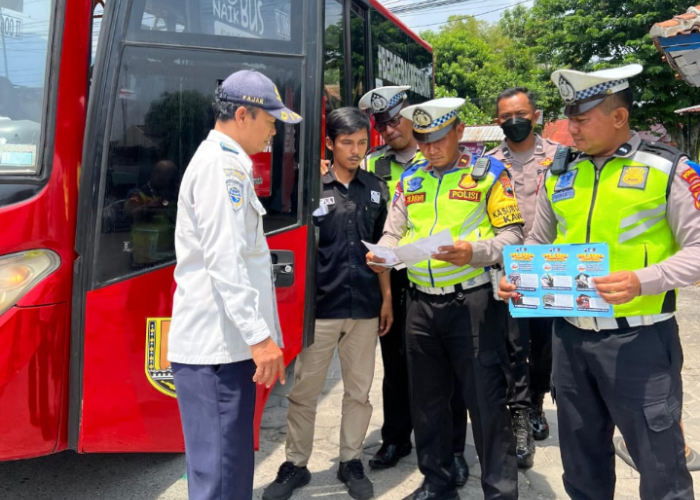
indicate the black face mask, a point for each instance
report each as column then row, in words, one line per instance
column 517, row 129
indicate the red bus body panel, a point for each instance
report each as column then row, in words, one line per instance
column 34, row 335
column 122, row 411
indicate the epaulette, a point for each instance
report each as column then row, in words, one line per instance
column 227, row 148
column 660, row 156
column 465, row 160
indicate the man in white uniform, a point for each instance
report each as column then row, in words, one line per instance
column 225, row 333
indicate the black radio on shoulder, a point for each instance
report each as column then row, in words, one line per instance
column 481, row 167
column 561, row 160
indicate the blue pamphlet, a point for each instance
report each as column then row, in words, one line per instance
column 556, row 280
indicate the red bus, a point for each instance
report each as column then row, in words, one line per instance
column 94, row 138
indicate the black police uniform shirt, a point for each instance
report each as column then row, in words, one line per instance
column 346, row 287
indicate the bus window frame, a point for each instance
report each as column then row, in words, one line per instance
column 36, row 178
column 295, row 46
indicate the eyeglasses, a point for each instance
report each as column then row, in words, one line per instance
column 393, row 123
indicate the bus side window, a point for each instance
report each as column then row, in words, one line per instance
column 161, row 113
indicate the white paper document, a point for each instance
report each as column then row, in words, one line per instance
column 411, row 253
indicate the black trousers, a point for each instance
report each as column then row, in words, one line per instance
column 397, row 427
column 462, row 334
column 629, row 378
column 530, row 351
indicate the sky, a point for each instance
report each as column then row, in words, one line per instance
column 435, row 18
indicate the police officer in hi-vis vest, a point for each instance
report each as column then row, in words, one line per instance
column 642, row 199
column 389, row 161
column 454, row 325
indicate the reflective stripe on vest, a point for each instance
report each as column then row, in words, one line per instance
column 625, row 207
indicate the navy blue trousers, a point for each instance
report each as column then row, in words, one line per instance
column 217, row 403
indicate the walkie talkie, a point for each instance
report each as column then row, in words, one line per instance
column 382, row 168
column 481, row 167
column 560, row 163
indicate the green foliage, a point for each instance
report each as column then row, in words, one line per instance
column 477, row 60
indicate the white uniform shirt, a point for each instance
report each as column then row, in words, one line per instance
column 225, row 297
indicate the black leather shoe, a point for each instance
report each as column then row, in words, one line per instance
column 423, row 494
column 460, row 472
column 389, row 455
column 289, row 478
column 352, row 473
column 524, row 443
column 538, row 420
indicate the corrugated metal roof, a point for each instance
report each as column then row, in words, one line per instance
column 691, row 109
column 483, row 133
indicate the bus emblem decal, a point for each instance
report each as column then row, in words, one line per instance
column 158, row 369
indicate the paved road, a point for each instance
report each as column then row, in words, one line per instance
column 68, row 476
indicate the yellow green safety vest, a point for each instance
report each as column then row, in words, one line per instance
column 454, row 201
column 624, row 205
column 391, row 171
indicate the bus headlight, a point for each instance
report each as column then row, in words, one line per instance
column 20, row 272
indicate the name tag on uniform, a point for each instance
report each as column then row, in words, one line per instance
column 375, row 196
column 567, row 194
column 328, row 201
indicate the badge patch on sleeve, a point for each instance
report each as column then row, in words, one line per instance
column 234, row 187
column 566, row 180
column 507, row 185
column 633, row 177
column 375, row 196
column 691, row 176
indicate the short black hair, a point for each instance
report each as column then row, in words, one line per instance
column 346, row 121
column 621, row 99
column 225, row 110
column 513, row 91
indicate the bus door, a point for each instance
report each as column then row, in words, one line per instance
column 156, row 67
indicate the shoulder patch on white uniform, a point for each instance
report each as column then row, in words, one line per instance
column 227, row 148
column 234, row 188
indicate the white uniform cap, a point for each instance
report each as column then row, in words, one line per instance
column 584, row 91
column 433, row 119
column 384, row 102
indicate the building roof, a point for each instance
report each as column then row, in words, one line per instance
column 682, row 24
column 483, row 133
column 678, row 39
column 558, row 131
column 691, row 109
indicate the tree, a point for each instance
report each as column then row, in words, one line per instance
column 595, row 34
column 477, row 60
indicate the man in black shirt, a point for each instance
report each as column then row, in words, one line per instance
column 353, row 306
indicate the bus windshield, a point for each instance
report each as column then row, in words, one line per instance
column 25, row 26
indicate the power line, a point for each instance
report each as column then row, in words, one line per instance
column 461, row 18
column 424, row 5
column 476, row 4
